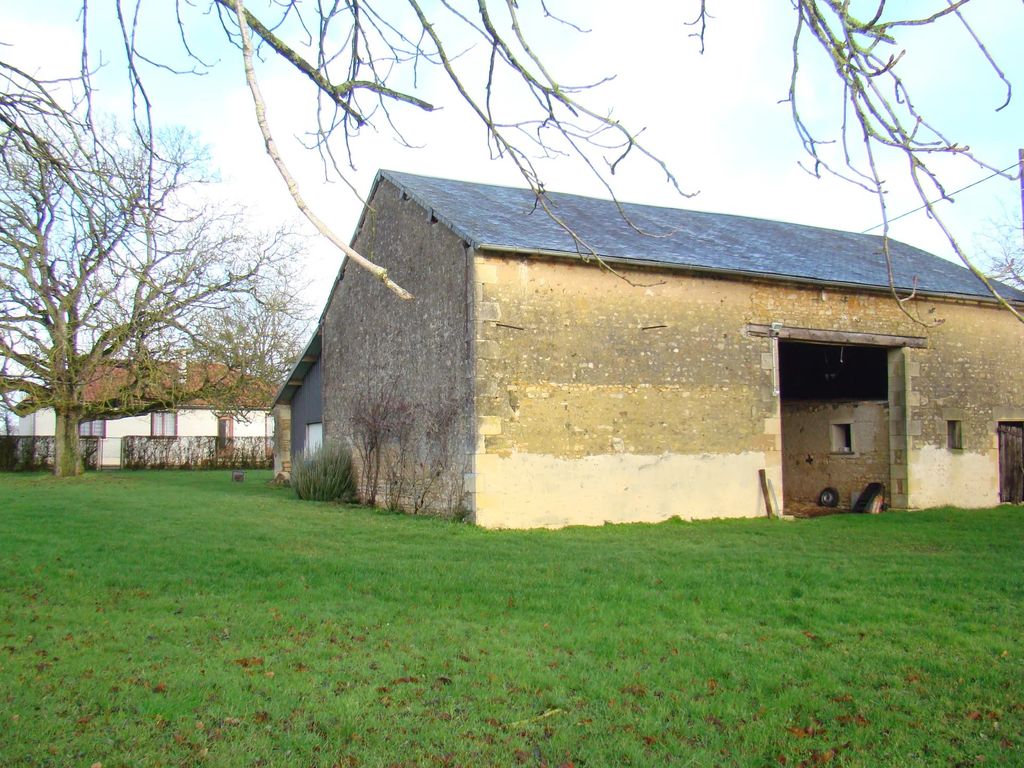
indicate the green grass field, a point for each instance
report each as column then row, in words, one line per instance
column 180, row 619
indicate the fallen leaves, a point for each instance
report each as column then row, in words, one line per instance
column 807, row 731
column 853, row 719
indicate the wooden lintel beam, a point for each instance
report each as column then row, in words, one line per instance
column 822, row 336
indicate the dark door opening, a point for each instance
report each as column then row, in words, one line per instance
column 1011, row 461
column 832, row 372
column 834, row 402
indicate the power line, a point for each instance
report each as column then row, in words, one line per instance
column 947, row 197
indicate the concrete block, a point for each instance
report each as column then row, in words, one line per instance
column 488, row 311
column 487, row 462
column 487, row 350
column 489, row 425
column 486, row 388
column 486, row 273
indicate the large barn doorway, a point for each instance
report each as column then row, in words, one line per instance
column 835, row 408
column 1011, row 461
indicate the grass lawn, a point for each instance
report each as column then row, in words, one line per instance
column 180, row 619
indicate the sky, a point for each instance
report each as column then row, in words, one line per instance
column 718, row 118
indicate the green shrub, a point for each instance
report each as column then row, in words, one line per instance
column 324, row 475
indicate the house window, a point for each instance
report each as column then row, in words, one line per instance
column 164, row 424
column 225, row 431
column 95, row 428
column 955, row 435
column 842, row 438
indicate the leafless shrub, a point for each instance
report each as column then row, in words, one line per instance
column 409, row 455
column 379, row 418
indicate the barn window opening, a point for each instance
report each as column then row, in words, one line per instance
column 954, row 435
column 842, row 438
column 810, row 371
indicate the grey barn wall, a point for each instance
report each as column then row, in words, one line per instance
column 416, row 352
column 307, row 407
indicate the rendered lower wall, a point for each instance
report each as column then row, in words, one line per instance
column 537, row 490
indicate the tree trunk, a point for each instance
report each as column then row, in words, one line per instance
column 67, row 460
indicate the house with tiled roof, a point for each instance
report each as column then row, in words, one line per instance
column 597, row 362
column 132, row 428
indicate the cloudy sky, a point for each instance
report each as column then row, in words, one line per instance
column 717, row 119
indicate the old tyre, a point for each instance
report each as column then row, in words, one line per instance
column 829, row 497
column 871, row 499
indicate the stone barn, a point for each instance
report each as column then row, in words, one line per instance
column 702, row 363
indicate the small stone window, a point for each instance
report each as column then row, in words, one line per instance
column 955, row 435
column 842, row 438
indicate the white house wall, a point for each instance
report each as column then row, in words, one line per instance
column 191, row 423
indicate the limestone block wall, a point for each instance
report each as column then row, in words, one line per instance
column 971, row 373
column 599, row 399
column 282, row 440
column 378, row 349
column 968, row 372
column 811, row 461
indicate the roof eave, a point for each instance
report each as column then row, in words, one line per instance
column 310, row 353
column 734, row 273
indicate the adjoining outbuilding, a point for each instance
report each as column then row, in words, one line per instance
column 532, row 384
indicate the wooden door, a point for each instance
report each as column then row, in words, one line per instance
column 1011, row 461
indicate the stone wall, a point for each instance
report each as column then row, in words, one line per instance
column 604, row 401
column 601, row 399
column 413, row 357
column 811, row 459
column 971, row 373
column 282, row 440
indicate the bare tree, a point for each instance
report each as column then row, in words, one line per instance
column 372, row 66
column 110, row 262
column 260, row 334
column 1003, row 249
column 7, row 422
column 367, row 61
column 881, row 119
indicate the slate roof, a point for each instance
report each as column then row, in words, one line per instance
column 508, row 219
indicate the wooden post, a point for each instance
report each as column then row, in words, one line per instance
column 766, row 493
